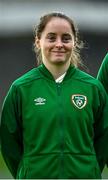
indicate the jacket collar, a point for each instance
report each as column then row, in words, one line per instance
column 45, row 72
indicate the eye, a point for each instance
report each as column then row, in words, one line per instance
column 51, row 37
column 66, row 38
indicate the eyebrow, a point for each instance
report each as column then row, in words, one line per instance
column 53, row 33
column 67, row 34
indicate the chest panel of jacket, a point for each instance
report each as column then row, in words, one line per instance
column 49, row 112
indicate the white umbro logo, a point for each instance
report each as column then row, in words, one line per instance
column 40, row 101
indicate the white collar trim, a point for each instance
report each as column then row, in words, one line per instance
column 60, row 79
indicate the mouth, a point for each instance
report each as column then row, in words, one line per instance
column 58, row 52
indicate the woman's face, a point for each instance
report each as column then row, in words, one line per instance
column 56, row 42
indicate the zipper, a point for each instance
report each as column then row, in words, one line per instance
column 61, row 132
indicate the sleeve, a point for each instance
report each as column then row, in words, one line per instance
column 101, row 130
column 103, row 73
column 10, row 132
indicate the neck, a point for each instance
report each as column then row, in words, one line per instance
column 57, row 70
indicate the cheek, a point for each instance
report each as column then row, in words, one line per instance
column 70, row 48
column 69, row 51
column 45, row 51
column 45, row 46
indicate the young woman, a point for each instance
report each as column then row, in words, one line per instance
column 54, row 118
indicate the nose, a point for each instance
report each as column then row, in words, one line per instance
column 59, row 43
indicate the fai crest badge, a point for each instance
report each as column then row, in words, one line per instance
column 79, row 100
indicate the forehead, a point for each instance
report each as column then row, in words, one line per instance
column 58, row 25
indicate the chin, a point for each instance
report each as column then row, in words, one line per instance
column 59, row 62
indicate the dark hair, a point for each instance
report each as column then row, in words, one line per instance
column 75, row 59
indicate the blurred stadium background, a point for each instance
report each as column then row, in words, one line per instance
column 17, row 21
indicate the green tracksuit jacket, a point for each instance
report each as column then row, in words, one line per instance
column 55, row 130
column 103, row 73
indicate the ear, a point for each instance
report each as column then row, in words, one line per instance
column 37, row 42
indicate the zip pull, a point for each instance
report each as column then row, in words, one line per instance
column 58, row 88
